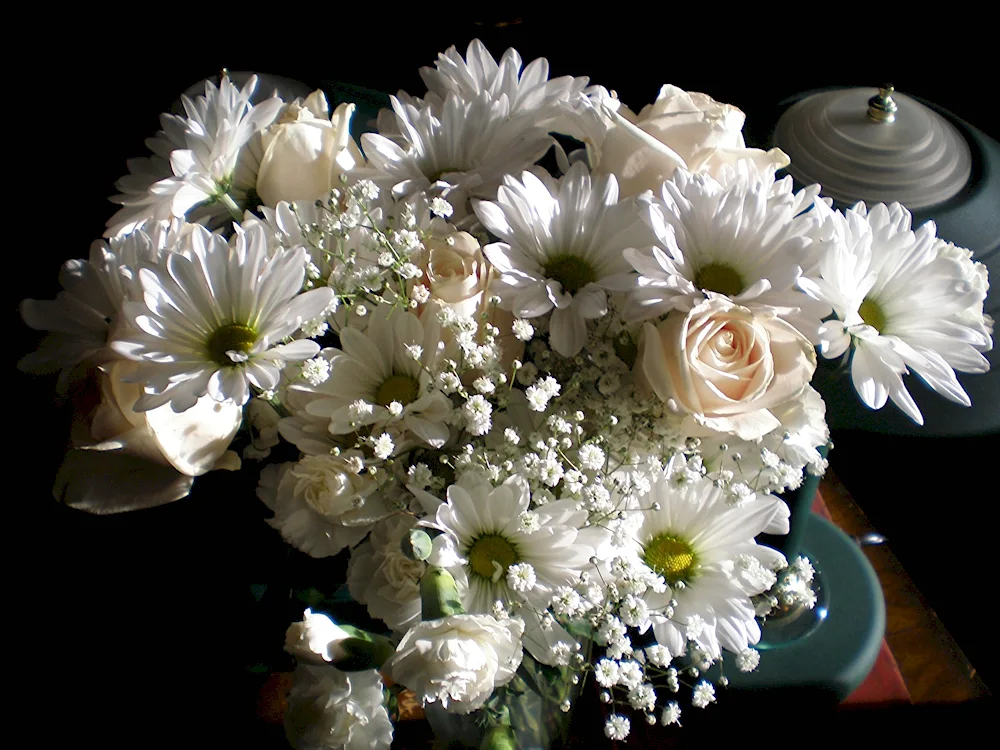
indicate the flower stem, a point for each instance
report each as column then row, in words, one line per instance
column 227, row 200
column 439, row 595
column 499, row 737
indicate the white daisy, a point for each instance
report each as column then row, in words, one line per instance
column 561, row 242
column 203, row 168
column 146, row 171
column 748, row 237
column 530, row 92
column 212, row 317
column 463, row 148
column 905, row 301
column 374, row 370
column 308, row 433
column 703, row 547
column 485, row 538
column 81, row 317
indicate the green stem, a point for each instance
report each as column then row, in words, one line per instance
column 439, row 595
column 499, row 737
column 227, row 200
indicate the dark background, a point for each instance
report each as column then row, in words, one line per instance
column 129, row 630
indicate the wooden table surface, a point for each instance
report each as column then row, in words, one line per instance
column 932, row 665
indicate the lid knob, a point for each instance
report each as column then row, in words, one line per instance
column 881, row 107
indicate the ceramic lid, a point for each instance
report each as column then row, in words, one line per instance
column 874, row 145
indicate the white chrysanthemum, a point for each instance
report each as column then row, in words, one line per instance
column 213, row 316
column 561, row 242
column 322, row 504
column 696, row 541
column 333, row 710
column 375, row 369
column 747, row 239
column 385, row 580
column 530, row 92
column 466, row 145
column 484, row 537
column 262, row 419
column 82, row 316
column 202, row 167
column 906, row 300
column 802, row 430
column 457, row 661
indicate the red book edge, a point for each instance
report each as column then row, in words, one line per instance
column 884, row 684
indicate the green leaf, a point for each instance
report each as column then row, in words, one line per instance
column 580, row 629
column 365, row 650
column 417, row 545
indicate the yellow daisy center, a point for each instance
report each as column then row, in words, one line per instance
column 489, row 549
column 572, row 271
column 672, row 558
column 401, row 388
column 872, row 314
column 716, row 277
column 234, row 337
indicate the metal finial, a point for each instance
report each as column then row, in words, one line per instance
column 881, row 107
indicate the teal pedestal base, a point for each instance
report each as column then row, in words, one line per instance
column 828, row 651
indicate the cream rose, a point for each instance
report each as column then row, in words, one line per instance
column 323, row 504
column 725, row 366
column 126, row 460
column 306, row 150
column 458, row 276
column 681, row 129
column 458, row 660
column 457, row 273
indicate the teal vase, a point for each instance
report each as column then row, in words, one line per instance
column 533, row 700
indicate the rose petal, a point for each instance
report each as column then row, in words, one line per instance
column 194, row 440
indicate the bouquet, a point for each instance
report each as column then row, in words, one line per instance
column 541, row 366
